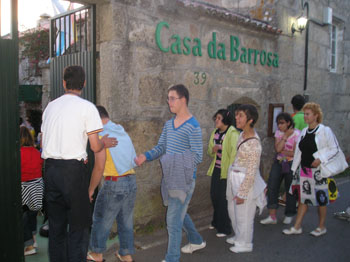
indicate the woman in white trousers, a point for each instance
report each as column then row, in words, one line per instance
column 245, row 187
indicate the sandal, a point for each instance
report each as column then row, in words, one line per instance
column 90, row 258
column 121, row 259
column 318, row 232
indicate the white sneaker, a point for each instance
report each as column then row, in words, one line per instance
column 231, row 240
column 287, row 220
column 292, row 231
column 29, row 250
column 241, row 249
column 268, row 221
column 211, row 227
column 221, row 235
column 348, row 211
column 190, row 248
column 318, row 232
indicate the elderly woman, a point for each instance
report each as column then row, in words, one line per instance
column 222, row 148
column 316, row 145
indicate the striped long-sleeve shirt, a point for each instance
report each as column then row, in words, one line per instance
column 173, row 140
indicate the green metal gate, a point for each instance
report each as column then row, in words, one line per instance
column 11, row 231
column 73, row 42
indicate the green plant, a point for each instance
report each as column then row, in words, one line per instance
column 35, row 45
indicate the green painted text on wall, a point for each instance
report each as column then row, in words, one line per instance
column 216, row 50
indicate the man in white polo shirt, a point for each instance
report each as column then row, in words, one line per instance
column 68, row 122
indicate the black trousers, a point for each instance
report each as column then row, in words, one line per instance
column 221, row 220
column 69, row 209
column 29, row 225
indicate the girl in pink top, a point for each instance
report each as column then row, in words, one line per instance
column 285, row 140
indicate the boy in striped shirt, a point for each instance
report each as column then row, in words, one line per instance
column 180, row 150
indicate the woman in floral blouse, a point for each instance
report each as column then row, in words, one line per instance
column 245, row 187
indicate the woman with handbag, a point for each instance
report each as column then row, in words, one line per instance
column 245, row 187
column 32, row 188
column 317, row 146
column 222, row 148
column 285, row 140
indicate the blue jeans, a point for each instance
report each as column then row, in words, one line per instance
column 273, row 186
column 115, row 200
column 177, row 218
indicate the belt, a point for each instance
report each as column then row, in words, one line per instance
column 111, row 178
column 115, row 178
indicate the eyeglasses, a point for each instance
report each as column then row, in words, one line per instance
column 172, row 99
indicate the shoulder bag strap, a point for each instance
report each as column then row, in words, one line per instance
column 253, row 137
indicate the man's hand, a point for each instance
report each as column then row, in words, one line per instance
column 97, row 172
column 109, row 141
column 91, row 193
column 97, row 144
column 140, row 159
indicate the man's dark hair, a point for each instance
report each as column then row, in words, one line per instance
column 286, row 117
column 102, row 111
column 227, row 116
column 182, row 91
column 74, row 77
column 298, row 101
column 250, row 111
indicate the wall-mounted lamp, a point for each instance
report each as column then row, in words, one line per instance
column 300, row 24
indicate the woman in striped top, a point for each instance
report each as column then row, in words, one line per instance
column 32, row 188
column 222, row 148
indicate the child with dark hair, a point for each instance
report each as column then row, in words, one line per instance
column 222, row 148
column 32, row 188
column 285, row 141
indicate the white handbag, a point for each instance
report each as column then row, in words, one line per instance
column 334, row 166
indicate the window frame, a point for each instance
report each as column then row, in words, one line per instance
column 333, row 41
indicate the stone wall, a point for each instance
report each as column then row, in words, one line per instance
column 134, row 74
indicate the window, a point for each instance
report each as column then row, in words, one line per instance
column 333, row 62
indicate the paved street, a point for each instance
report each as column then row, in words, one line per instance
column 269, row 243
